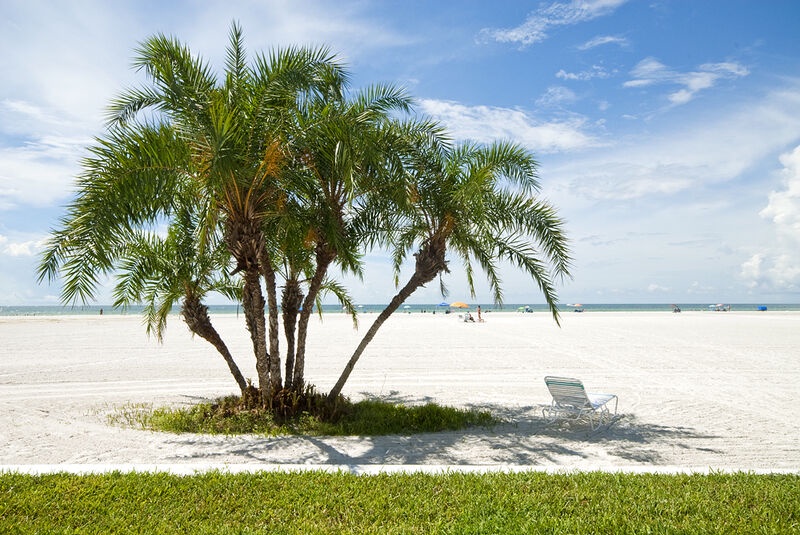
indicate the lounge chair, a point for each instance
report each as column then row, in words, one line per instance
column 570, row 400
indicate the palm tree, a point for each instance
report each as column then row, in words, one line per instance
column 477, row 202
column 162, row 271
column 344, row 156
column 185, row 138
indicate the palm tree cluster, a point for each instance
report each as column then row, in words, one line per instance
column 266, row 178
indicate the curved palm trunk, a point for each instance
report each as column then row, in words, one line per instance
column 430, row 262
column 291, row 300
column 324, row 258
column 272, row 306
column 195, row 313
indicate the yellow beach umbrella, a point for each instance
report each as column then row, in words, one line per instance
column 459, row 304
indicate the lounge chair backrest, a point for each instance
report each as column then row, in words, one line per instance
column 567, row 391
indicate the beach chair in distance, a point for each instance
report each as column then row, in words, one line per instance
column 571, row 401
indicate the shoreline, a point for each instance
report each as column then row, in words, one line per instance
column 367, row 309
column 695, row 390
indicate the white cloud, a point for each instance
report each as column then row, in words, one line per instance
column 535, row 29
column 784, row 205
column 39, row 155
column 772, row 273
column 650, row 72
column 751, row 268
column 356, row 33
column 486, row 124
column 555, row 96
column 699, row 152
column 777, row 265
column 604, row 40
column 49, row 114
column 657, row 288
column 596, row 71
column 27, row 248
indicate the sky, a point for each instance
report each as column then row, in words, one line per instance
column 667, row 131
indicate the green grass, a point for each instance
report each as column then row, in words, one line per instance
column 320, row 502
column 367, row 417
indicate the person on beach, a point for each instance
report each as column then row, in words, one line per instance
column 480, row 319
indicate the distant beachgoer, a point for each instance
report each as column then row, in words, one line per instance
column 480, row 319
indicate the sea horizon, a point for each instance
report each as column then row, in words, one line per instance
column 415, row 308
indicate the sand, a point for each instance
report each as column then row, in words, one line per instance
column 697, row 391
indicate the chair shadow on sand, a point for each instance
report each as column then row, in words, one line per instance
column 522, row 437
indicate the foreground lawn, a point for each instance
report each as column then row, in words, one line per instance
column 318, row 502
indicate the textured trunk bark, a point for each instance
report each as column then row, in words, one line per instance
column 272, row 306
column 430, row 262
column 291, row 300
column 195, row 314
column 253, row 306
column 324, row 258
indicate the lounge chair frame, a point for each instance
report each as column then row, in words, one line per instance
column 571, row 401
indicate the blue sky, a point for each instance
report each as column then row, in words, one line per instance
column 667, row 132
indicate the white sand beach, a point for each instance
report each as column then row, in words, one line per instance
column 697, row 391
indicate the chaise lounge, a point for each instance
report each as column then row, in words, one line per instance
column 571, row 401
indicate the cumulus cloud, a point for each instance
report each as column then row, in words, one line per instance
column 777, row 266
column 783, row 208
column 650, row 72
column 27, row 248
column 486, row 124
column 535, row 29
column 772, row 273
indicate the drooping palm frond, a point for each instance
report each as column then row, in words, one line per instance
column 131, row 180
column 330, row 286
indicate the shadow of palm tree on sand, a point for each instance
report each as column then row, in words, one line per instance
column 522, row 437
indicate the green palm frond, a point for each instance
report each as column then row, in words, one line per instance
column 330, row 286
column 237, row 72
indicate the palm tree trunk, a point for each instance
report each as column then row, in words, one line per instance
column 272, row 305
column 253, row 306
column 291, row 300
column 324, row 258
column 430, row 262
column 195, row 313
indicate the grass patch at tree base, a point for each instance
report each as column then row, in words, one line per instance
column 307, row 415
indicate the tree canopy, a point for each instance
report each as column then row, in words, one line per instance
column 273, row 173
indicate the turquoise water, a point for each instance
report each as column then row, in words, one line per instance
column 411, row 308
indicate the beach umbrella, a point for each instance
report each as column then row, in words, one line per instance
column 459, row 304
column 444, row 304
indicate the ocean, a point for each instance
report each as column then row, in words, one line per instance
column 56, row 310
